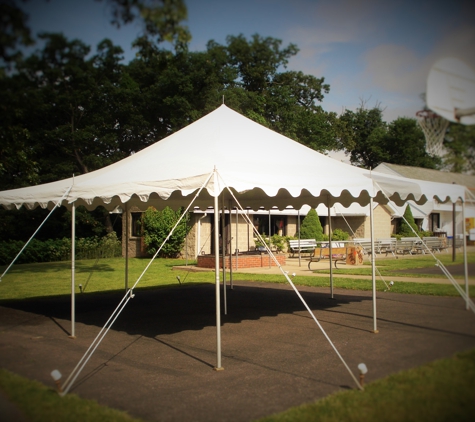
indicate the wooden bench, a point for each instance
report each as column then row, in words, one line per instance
column 351, row 255
column 302, row 246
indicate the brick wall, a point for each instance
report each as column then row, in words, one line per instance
column 243, row 261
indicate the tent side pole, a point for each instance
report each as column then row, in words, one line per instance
column 454, row 231
column 216, row 272
column 465, row 266
column 373, row 265
column 73, row 270
column 270, row 264
column 224, row 237
column 126, row 276
column 330, row 249
column 298, row 232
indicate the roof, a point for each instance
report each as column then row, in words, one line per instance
column 420, row 173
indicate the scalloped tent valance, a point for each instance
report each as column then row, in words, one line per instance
column 260, row 166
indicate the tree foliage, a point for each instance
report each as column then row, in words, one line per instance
column 311, row 228
column 372, row 141
column 408, row 227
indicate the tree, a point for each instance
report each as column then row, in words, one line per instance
column 362, row 133
column 311, row 228
column 460, row 145
column 14, row 31
column 408, row 226
column 157, row 226
column 162, row 19
column 404, row 144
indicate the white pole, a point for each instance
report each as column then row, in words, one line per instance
column 269, row 237
column 465, row 266
column 298, row 231
column 330, row 249
column 216, row 271
column 127, row 233
column 373, row 266
column 224, row 238
column 73, row 270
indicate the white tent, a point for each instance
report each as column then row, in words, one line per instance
column 225, row 154
column 241, row 151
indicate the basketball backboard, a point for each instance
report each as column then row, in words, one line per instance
column 451, row 90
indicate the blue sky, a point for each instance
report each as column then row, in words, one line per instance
column 375, row 51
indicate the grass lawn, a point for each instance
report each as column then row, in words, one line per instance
column 54, row 278
column 440, row 391
column 404, row 264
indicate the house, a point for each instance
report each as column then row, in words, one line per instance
column 437, row 217
column 240, row 235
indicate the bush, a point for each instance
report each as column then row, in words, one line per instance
column 408, row 224
column 339, row 234
column 52, row 250
column 157, row 226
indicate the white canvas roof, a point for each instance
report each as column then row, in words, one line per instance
column 262, row 167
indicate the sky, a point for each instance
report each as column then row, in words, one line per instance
column 372, row 52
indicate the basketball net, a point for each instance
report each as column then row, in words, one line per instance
column 434, row 128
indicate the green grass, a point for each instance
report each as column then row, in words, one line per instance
column 402, row 266
column 440, row 391
column 37, row 403
column 54, row 278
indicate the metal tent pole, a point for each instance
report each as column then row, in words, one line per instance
column 73, row 270
column 330, row 249
column 216, row 271
column 298, row 232
column 224, row 238
column 465, row 266
column 126, row 276
column 269, row 238
column 373, row 265
column 454, row 231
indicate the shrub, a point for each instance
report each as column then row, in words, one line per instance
column 339, row 234
column 311, row 227
column 52, row 250
column 157, row 226
column 406, row 223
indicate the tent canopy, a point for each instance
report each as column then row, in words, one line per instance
column 261, row 167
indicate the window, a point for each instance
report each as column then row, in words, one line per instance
column 136, row 226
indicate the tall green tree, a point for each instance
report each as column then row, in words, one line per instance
column 311, row 228
column 404, row 144
column 408, row 227
column 362, row 133
column 460, row 149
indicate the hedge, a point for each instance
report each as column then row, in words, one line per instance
column 51, row 250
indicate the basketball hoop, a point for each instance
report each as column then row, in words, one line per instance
column 434, row 128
